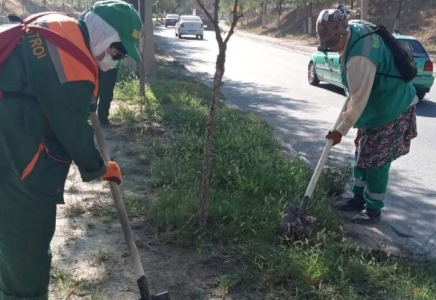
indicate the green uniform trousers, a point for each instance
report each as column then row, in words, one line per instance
column 27, row 225
column 372, row 185
column 107, row 82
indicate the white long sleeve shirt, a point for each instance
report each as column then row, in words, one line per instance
column 360, row 76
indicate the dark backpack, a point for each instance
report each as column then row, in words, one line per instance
column 403, row 59
column 10, row 38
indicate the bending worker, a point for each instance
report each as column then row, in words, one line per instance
column 381, row 107
column 107, row 79
column 45, row 98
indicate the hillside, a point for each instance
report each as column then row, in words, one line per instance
column 417, row 19
column 26, row 7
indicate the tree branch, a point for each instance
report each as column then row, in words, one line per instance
column 214, row 19
column 235, row 20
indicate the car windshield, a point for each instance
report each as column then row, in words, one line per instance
column 415, row 48
column 192, row 19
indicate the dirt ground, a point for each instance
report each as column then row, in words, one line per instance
column 91, row 260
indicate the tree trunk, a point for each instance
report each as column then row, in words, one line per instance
column 364, row 9
column 352, row 4
column 279, row 7
column 3, row 6
column 210, row 128
column 397, row 17
column 309, row 18
column 217, row 82
column 148, row 60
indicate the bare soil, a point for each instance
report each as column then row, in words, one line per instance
column 91, row 260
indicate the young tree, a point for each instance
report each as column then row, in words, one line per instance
column 217, row 82
column 397, row 17
column 263, row 11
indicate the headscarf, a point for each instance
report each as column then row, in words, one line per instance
column 101, row 34
column 331, row 24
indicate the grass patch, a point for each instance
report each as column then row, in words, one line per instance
column 74, row 210
column 102, row 256
column 251, row 181
column 66, row 283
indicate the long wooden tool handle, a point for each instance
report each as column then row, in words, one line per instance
column 322, row 160
column 119, row 203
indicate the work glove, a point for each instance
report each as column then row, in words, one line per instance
column 335, row 136
column 113, row 173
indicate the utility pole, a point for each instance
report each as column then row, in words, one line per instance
column 148, row 60
column 364, row 10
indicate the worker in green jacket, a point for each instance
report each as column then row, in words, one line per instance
column 107, row 81
column 381, row 107
column 45, row 95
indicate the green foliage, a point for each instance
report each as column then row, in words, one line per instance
column 335, row 177
column 251, row 181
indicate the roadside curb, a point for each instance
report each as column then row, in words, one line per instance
column 274, row 41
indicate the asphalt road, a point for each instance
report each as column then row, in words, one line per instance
column 271, row 81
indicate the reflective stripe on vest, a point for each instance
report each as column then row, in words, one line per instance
column 68, row 68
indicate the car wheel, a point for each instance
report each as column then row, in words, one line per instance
column 420, row 94
column 311, row 75
column 166, row 26
column 201, row 37
column 180, row 36
column 177, row 34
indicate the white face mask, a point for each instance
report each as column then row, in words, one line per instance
column 107, row 63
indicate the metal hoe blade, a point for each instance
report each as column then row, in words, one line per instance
column 298, row 225
column 161, row 296
column 145, row 292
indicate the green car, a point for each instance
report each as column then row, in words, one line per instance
column 325, row 66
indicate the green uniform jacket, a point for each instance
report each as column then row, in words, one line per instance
column 389, row 96
column 37, row 108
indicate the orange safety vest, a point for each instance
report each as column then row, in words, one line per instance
column 73, row 61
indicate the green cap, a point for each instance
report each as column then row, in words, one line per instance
column 123, row 17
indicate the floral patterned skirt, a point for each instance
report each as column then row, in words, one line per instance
column 379, row 146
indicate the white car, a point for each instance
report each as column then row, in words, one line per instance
column 190, row 25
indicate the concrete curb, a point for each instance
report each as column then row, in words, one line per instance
column 274, row 41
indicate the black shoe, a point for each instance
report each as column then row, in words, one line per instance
column 104, row 122
column 357, row 203
column 367, row 216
